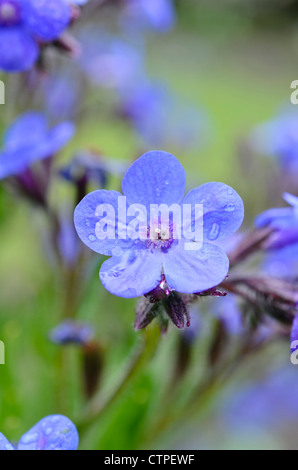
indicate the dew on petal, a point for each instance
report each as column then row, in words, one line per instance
column 230, row 208
column 214, row 232
column 28, row 438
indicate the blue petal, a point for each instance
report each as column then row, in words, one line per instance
column 190, row 272
column 46, row 19
column 14, row 163
column 133, row 274
column 28, row 140
column 18, row 50
column 282, row 238
column 277, row 218
column 290, row 199
column 222, row 207
column 294, row 335
column 85, row 220
column 54, row 432
column 156, row 14
column 20, row 133
column 155, row 178
column 59, row 136
column 4, row 443
column 72, row 332
column 160, row 13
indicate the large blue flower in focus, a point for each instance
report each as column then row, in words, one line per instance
column 54, row 432
column 136, row 267
column 28, row 140
column 23, row 24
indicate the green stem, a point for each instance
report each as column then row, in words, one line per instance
column 142, row 355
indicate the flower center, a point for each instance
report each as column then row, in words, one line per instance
column 9, row 12
column 160, row 235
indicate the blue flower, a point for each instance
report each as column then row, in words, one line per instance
column 109, row 61
column 54, row 432
column 268, row 403
column 62, row 100
column 279, row 138
column 154, row 14
column 284, row 221
column 77, row 2
column 136, row 266
column 227, row 309
column 91, row 167
column 72, row 332
column 160, row 118
column 23, row 24
column 28, row 140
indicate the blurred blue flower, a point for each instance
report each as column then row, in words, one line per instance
column 282, row 262
column 227, row 309
column 72, row 332
column 23, row 24
column 28, row 140
column 92, row 167
column 284, row 221
column 109, row 61
column 54, row 432
column 154, row 14
column 270, row 402
column 77, row 2
column 136, row 266
column 191, row 333
column 62, row 102
column 160, row 118
column 279, row 138
column 68, row 242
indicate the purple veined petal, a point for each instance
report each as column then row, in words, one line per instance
column 156, row 177
column 277, row 218
column 222, row 207
column 133, row 274
column 86, row 218
column 4, row 443
column 60, row 135
column 46, row 19
column 291, row 200
column 18, row 50
column 195, row 271
column 29, row 128
column 294, row 335
column 54, row 432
